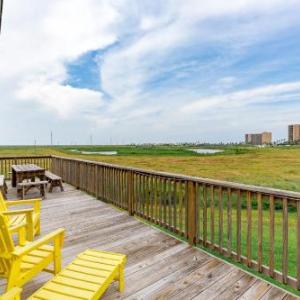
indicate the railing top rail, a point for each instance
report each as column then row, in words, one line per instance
column 24, row 157
column 225, row 184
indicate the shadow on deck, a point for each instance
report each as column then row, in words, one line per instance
column 158, row 267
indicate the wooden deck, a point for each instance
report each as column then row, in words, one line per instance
column 159, row 266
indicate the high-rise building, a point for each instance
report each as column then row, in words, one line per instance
column 294, row 132
column 258, row 138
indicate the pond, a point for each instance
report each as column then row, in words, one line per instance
column 96, row 152
column 206, row 151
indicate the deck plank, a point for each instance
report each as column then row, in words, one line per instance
column 158, row 267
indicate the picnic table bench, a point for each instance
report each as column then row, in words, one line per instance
column 3, row 186
column 54, row 180
column 26, row 186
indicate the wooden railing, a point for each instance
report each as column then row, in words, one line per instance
column 8, row 161
column 254, row 226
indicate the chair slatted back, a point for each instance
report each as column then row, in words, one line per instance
column 3, row 206
column 6, row 246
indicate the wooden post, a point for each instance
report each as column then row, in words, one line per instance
column 130, row 193
column 191, row 213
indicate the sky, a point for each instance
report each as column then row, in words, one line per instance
column 137, row 71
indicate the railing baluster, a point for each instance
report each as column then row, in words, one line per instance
column 155, row 204
column 147, row 198
column 160, row 200
column 249, row 230
column 298, row 244
column 229, row 222
column 220, row 199
column 212, row 216
column 139, row 194
column 185, row 207
column 205, row 215
column 169, row 199
column 181, row 217
column 239, row 225
column 260, row 232
column 285, row 230
column 164, row 201
column 175, row 206
column 191, row 212
column 271, row 234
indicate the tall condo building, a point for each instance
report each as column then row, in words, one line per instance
column 294, row 133
column 258, row 138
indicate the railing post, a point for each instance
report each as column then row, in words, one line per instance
column 191, row 213
column 130, row 193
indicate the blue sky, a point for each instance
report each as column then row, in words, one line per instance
column 163, row 71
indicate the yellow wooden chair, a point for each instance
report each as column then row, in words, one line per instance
column 19, row 264
column 17, row 218
column 13, row 294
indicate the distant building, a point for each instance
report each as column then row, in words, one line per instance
column 294, row 133
column 258, row 138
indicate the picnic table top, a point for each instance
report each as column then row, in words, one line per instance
column 27, row 168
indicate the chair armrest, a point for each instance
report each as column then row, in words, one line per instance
column 54, row 235
column 35, row 202
column 13, row 293
column 27, row 212
column 17, row 212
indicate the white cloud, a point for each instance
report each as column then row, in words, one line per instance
column 64, row 101
column 35, row 48
column 262, row 95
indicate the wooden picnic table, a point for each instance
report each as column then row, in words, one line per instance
column 27, row 171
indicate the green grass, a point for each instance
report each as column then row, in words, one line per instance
column 274, row 167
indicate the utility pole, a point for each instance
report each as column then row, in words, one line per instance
column 91, row 139
column 51, row 138
column 1, row 11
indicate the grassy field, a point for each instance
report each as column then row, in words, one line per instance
column 274, row 167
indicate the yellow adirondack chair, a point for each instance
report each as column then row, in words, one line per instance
column 19, row 264
column 17, row 218
column 13, row 294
